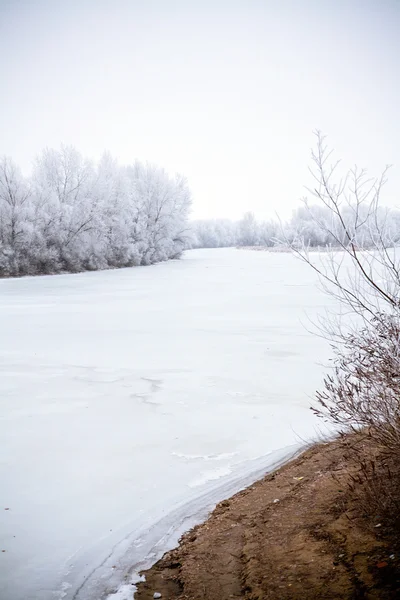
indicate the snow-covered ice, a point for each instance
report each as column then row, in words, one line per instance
column 134, row 399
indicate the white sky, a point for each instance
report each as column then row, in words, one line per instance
column 226, row 92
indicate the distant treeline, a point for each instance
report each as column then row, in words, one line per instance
column 309, row 225
column 72, row 215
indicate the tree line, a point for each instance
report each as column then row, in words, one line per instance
column 311, row 225
column 73, row 215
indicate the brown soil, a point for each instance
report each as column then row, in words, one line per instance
column 299, row 533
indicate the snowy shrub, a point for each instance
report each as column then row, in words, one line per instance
column 362, row 391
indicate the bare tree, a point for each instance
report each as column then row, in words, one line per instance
column 361, row 272
column 361, row 268
column 14, row 197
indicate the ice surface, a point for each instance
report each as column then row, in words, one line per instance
column 134, row 399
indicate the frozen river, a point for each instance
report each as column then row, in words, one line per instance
column 132, row 400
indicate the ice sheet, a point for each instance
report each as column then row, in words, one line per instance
column 134, row 399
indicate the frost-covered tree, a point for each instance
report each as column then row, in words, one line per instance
column 304, row 225
column 249, row 230
column 308, row 226
column 268, row 233
column 214, row 233
column 15, row 216
column 64, row 186
column 73, row 215
column 160, row 207
column 218, row 233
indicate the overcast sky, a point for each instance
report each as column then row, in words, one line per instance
column 226, row 92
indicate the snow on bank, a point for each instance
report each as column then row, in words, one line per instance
column 124, row 394
column 191, row 513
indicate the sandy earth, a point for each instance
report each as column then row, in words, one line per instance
column 296, row 534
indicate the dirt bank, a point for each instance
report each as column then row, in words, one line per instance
column 297, row 534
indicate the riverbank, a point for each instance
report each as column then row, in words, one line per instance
column 299, row 533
